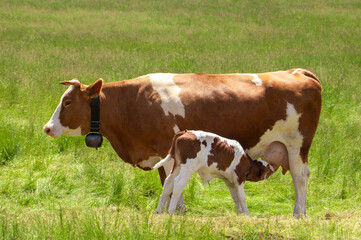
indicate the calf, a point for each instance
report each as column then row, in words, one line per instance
column 214, row 156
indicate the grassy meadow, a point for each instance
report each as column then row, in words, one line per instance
column 60, row 189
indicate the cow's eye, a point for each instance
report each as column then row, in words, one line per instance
column 67, row 103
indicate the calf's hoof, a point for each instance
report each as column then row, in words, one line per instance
column 157, row 211
column 182, row 208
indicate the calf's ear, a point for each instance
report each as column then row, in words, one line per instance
column 94, row 89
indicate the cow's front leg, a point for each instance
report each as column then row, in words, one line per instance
column 163, row 173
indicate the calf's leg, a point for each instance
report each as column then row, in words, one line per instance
column 163, row 173
column 180, row 182
column 239, row 197
column 167, row 191
column 242, row 197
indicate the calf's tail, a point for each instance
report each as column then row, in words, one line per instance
column 171, row 153
column 163, row 161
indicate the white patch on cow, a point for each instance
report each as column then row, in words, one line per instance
column 285, row 131
column 169, row 94
column 150, row 162
column 295, row 71
column 256, row 79
column 72, row 132
column 57, row 129
column 176, row 128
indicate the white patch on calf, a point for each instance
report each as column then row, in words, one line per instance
column 169, row 93
column 57, row 129
column 209, row 172
column 265, row 164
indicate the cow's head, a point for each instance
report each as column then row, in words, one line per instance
column 72, row 116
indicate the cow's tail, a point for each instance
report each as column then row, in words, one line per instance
column 171, row 153
column 311, row 75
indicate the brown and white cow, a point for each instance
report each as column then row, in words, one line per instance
column 140, row 116
column 213, row 156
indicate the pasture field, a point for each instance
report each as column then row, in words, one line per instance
column 60, row 189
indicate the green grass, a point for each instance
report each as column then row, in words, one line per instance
column 59, row 188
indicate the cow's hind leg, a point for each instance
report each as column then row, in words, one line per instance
column 300, row 173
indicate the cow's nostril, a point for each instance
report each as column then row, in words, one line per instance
column 47, row 130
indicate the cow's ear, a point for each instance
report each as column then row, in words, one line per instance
column 75, row 82
column 94, row 89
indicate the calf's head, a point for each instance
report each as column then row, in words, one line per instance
column 72, row 116
column 260, row 170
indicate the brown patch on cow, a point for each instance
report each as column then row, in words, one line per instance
column 221, row 153
column 204, row 143
column 75, row 107
column 233, row 96
column 187, row 146
column 130, row 114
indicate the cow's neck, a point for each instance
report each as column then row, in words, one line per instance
column 112, row 115
column 118, row 126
